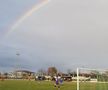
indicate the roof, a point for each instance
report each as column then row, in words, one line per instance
column 24, row 71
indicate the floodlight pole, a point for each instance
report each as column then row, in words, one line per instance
column 17, row 54
column 77, row 78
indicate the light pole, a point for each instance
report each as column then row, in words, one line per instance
column 17, row 54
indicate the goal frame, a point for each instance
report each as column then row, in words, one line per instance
column 78, row 71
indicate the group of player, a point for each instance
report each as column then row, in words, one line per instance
column 58, row 81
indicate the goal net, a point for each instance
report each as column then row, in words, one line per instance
column 92, row 79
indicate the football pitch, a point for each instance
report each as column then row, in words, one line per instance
column 48, row 85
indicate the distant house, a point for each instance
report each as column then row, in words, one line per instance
column 11, row 75
column 24, row 74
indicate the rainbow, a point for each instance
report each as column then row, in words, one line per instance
column 26, row 15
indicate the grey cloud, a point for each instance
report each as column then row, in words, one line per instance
column 65, row 34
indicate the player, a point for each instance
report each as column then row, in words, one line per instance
column 57, row 82
column 61, row 81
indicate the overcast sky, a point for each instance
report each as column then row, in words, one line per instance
column 63, row 33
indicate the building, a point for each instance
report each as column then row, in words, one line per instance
column 24, row 74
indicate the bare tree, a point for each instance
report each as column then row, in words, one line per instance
column 41, row 72
column 52, row 71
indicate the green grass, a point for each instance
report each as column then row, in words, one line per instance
column 34, row 85
column 48, row 85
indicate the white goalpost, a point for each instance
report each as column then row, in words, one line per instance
column 92, row 79
column 77, row 78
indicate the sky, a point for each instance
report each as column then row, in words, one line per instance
column 63, row 33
